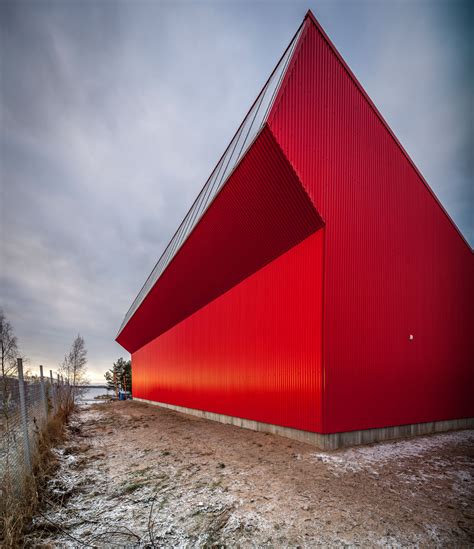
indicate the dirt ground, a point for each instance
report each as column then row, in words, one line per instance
column 132, row 474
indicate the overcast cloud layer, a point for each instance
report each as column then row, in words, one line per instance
column 114, row 114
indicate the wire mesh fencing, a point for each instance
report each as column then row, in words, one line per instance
column 27, row 403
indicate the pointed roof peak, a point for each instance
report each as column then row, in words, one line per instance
column 310, row 15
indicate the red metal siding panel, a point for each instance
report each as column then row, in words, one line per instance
column 260, row 213
column 254, row 352
column 395, row 264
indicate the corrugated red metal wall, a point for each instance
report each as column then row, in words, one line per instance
column 395, row 264
column 254, row 352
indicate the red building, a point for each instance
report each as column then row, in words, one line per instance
column 317, row 288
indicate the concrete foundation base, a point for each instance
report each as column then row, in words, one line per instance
column 331, row 441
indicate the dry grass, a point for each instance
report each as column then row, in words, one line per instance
column 19, row 503
column 137, row 475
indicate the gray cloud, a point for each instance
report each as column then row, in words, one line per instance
column 114, row 114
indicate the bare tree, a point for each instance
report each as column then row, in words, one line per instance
column 74, row 365
column 9, row 353
column 8, row 347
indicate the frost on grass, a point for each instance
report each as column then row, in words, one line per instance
column 91, row 504
column 133, row 475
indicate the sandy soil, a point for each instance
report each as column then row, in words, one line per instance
column 133, row 474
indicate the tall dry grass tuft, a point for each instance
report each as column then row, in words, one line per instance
column 19, row 499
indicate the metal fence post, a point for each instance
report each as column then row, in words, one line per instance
column 24, row 416
column 43, row 394
column 53, row 392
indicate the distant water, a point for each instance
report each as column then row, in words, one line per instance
column 87, row 396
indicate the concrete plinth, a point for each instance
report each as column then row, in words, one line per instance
column 331, row 441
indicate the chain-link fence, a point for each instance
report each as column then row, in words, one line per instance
column 27, row 403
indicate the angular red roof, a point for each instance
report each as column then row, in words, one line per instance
column 260, row 213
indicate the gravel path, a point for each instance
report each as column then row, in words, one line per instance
column 132, row 474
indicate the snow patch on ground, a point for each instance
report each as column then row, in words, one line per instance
column 377, row 455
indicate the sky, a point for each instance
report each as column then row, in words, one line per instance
column 113, row 115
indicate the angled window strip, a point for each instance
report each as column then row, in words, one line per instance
column 244, row 137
